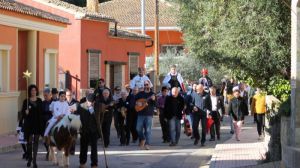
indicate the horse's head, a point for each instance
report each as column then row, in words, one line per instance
column 74, row 121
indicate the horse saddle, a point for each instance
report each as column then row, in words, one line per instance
column 140, row 104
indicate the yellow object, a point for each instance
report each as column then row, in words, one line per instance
column 27, row 74
column 258, row 104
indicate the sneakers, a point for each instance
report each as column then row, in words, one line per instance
column 142, row 144
column 147, row 147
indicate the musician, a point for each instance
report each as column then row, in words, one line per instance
column 145, row 116
column 174, row 79
column 162, row 119
column 140, row 79
column 216, row 109
column 131, row 118
column 89, row 131
column 122, row 113
column 105, row 105
column 200, row 105
column 173, row 112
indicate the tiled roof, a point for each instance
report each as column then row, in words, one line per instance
column 128, row 12
column 80, row 12
column 12, row 5
column 123, row 33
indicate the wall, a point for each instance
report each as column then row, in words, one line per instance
column 165, row 37
column 45, row 41
column 8, row 110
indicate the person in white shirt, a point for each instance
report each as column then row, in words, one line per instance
column 216, row 108
column 59, row 110
column 138, row 81
column 174, row 79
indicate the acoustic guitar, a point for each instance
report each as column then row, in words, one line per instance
column 141, row 104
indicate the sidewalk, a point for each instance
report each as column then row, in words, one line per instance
column 9, row 143
column 247, row 152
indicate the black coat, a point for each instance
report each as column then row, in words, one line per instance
column 220, row 106
column 238, row 108
column 33, row 122
column 88, row 120
column 174, row 107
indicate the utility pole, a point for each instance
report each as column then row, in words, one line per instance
column 143, row 16
column 156, row 47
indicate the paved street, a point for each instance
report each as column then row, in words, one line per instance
column 161, row 155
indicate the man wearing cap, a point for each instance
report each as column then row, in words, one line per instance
column 174, row 79
column 140, row 79
column 205, row 80
column 89, row 132
column 237, row 110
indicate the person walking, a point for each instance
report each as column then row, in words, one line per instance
column 105, row 105
column 174, row 79
column 47, row 114
column 162, row 119
column 228, row 95
column 258, row 106
column 237, row 109
column 145, row 116
column 121, row 107
column 174, row 105
column 131, row 118
column 200, row 106
column 89, row 133
column 138, row 80
column 215, row 112
column 205, row 80
column 116, row 98
column 32, row 111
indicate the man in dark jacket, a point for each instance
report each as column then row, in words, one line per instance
column 162, row 119
column 47, row 114
column 215, row 112
column 89, row 131
column 174, row 105
column 131, row 117
column 200, row 104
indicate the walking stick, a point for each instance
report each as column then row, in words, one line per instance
column 101, row 134
column 27, row 75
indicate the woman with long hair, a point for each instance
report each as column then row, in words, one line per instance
column 32, row 110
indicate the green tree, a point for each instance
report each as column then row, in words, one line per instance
column 250, row 38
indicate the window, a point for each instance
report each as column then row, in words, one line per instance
column 50, row 68
column 133, row 64
column 94, row 67
column 4, row 70
column 177, row 49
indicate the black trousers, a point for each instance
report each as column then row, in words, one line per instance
column 131, row 120
column 85, row 141
column 32, row 147
column 197, row 116
column 215, row 128
column 116, row 121
column 106, row 125
column 164, row 127
column 260, row 120
column 122, row 129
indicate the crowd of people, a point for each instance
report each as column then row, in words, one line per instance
column 132, row 108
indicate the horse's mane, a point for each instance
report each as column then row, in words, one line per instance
column 65, row 122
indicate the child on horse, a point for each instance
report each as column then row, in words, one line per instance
column 59, row 110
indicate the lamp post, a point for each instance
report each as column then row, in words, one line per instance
column 156, row 47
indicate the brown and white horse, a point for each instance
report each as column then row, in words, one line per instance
column 62, row 136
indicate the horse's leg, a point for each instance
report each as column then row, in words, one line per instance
column 61, row 157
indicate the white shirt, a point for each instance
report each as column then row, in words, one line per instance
column 58, row 108
column 242, row 93
column 214, row 103
column 138, row 81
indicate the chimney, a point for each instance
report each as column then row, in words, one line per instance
column 92, row 6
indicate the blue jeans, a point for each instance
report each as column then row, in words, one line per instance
column 175, row 128
column 143, row 128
